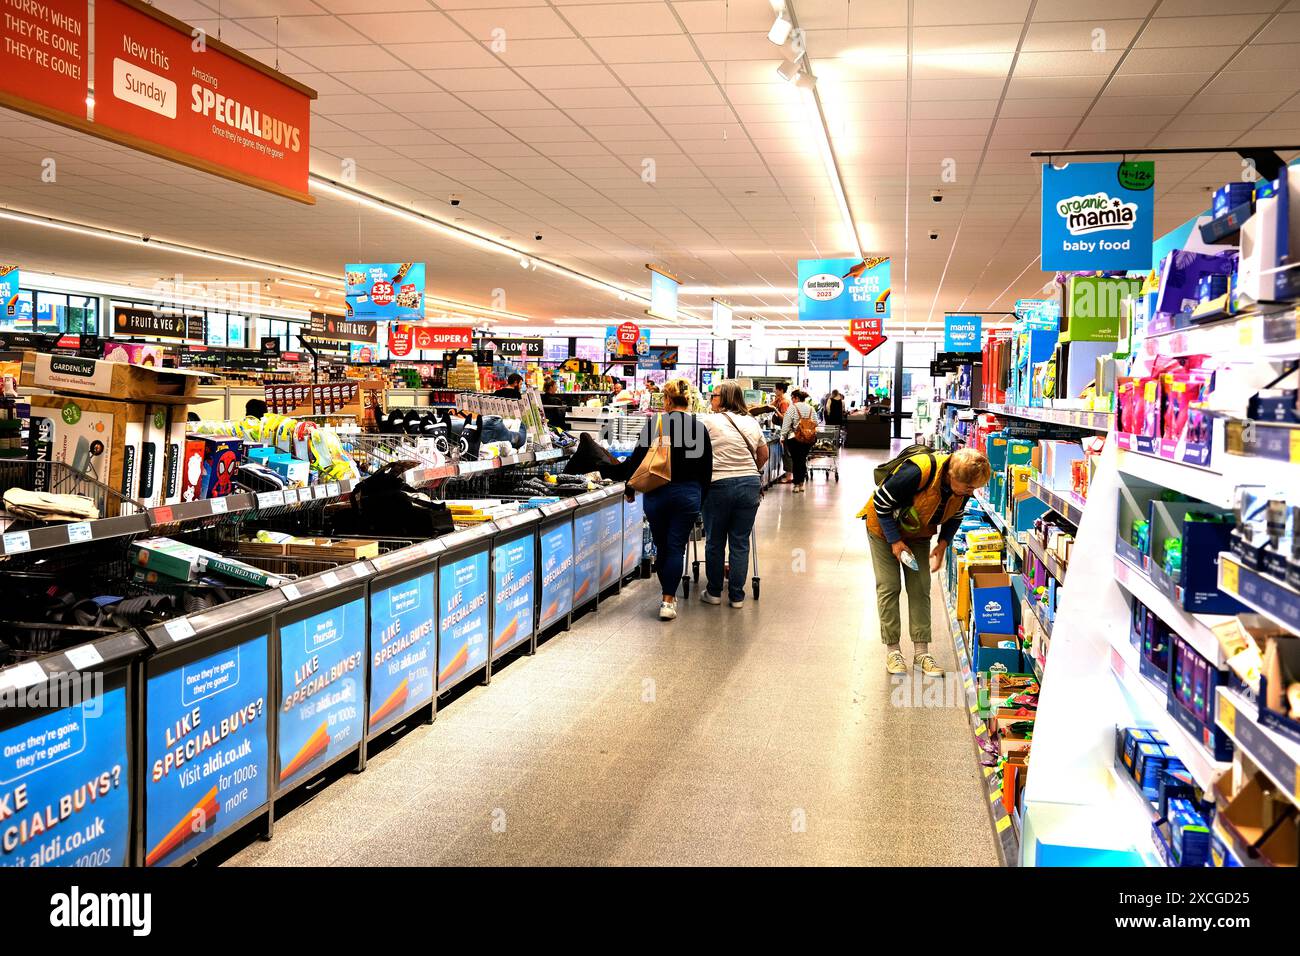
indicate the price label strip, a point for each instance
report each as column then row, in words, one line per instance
column 87, row 655
column 16, row 542
column 80, row 532
column 179, row 629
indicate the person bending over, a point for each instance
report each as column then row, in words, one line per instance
column 924, row 495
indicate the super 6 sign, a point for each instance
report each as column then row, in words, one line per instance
column 169, row 90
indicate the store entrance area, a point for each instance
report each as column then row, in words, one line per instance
column 764, row 735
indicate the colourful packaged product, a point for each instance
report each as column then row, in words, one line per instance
column 221, row 457
column 1189, row 836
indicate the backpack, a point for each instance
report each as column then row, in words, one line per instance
column 883, row 472
column 805, row 429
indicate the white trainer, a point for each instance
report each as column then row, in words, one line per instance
column 667, row 611
column 708, row 598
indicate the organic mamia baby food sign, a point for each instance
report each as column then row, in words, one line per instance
column 171, row 90
column 1097, row 216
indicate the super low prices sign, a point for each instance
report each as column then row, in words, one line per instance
column 43, row 56
column 167, row 89
column 1098, row 216
column 839, row 289
column 866, row 335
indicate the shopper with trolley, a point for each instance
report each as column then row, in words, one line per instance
column 739, row 454
column 673, row 466
column 918, row 494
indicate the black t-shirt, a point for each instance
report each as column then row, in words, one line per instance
column 692, row 450
column 508, row 392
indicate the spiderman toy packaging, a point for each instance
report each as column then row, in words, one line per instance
column 222, row 455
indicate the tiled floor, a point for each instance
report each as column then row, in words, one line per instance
column 767, row 735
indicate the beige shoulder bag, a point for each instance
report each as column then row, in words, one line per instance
column 656, row 468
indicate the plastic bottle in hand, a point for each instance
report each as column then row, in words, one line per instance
column 909, row 560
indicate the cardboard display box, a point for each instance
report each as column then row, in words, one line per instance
column 992, row 601
column 117, row 380
column 343, row 550
column 987, row 653
column 120, row 444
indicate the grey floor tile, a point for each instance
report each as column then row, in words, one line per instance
column 769, row 735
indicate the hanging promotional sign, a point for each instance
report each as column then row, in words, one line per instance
column 403, row 644
column 44, row 58
column 659, row 358
column 341, row 330
column 513, row 348
column 65, row 784
column 128, row 321
column 627, row 340
column 385, row 291
column 722, row 315
column 663, row 295
column 828, row 360
column 323, row 689
column 1098, row 216
column 206, row 759
column 400, row 341
column 197, row 101
column 866, row 335
column 839, row 289
column 790, row 357
column 961, row 333
column 10, row 304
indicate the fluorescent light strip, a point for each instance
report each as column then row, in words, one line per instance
column 99, row 232
column 474, row 239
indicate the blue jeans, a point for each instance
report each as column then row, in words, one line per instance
column 728, row 520
column 671, row 512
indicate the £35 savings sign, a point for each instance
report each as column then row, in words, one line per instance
column 1097, row 216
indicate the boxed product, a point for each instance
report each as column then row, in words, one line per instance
column 191, row 471
column 221, row 457
column 134, row 353
column 997, row 650
column 1189, row 837
column 184, row 562
column 991, row 602
column 83, row 376
column 173, row 452
column 1095, row 307
column 108, row 441
column 984, row 539
column 342, row 549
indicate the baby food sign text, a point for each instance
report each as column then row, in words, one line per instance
column 1097, row 216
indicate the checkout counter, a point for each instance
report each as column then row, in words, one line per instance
column 868, row 428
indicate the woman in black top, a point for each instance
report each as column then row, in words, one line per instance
column 673, row 508
column 833, row 412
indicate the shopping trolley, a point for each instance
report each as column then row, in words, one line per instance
column 693, row 549
column 825, row 452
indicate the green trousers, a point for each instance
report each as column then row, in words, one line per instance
column 888, row 572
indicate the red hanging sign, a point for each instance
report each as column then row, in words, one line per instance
column 44, row 57
column 629, row 333
column 400, row 340
column 167, row 89
column 429, row 337
column 865, row 335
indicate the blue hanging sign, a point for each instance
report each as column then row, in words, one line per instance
column 961, row 333
column 833, row 290
column 1098, row 216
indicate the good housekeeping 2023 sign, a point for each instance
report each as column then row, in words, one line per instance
column 1097, row 216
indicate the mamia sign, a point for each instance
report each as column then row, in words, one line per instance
column 1097, row 216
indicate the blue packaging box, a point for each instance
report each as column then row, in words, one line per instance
column 1189, row 836
column 1229, row 196
column 992, row 603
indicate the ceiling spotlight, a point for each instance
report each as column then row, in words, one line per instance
column 523, row 262
column 317, row 293
column 789, row 70
column 780, row 31
column 805, row 81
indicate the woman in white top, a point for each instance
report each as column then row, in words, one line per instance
column 739, row 454
column 798, row 451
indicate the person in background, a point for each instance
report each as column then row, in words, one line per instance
column 926, row 494
column 254, row 408
column 782, row 405
column 799, row 410
column 833, row 408
column 739, row 454
column 557, row 413
column 781, row 401
column 514, row 387
column 672, row 509
column 620, row 394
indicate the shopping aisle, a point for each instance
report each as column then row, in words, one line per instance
column 756, row 736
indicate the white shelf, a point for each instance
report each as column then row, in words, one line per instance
column 1065, row 503
column 1276, row 755
column 1195, row 629
column 1151, row 704
column 1215, row 485
column 1261, row 593
column 1242, row 338
column 1077, row 418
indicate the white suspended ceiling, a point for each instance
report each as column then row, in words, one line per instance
column 542, row 115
